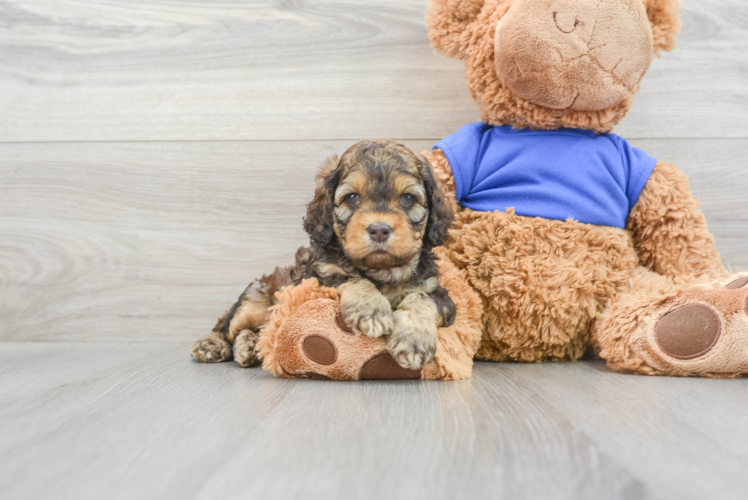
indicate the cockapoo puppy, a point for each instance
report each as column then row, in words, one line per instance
column 374, row 220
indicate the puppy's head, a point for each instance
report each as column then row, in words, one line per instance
column 381, row 202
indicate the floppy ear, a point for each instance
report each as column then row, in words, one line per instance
column 450, row 25
column 318, row 222
column 440, row 213
column 663, row 16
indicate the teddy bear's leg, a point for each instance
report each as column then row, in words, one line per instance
column 660, row 327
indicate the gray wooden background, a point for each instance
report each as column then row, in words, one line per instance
column 156, row 155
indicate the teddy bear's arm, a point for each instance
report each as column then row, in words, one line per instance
column 669, row 230
column 443, row 175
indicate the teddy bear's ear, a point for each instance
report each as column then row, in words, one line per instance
column 663, row 16
column 449, row 23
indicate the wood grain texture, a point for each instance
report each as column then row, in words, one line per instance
column 152, row 241
column 92, row 70
column 144, row 421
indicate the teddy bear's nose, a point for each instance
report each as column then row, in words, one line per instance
column 567, row 21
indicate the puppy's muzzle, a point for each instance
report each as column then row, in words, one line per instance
column 379, row 233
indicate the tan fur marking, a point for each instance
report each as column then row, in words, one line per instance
column 401, row 246
column 325, row 269
column 252, row 315
column 405, row 184
column 354, row 182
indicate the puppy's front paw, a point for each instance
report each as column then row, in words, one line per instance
column 245, row 348
column 371, row 316
column 413, row 340
column 211, row 349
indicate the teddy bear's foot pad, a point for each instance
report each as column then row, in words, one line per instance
column 320, row 349
column 688, row 332
column 703, row 330
column 384, row 366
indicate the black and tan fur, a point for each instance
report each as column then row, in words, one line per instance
column 379, row 190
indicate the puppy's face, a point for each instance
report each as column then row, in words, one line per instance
column 381, row 203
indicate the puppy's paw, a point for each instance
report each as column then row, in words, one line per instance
column 413, row 340
column 245, row 348
column 211, row 349
column 371, row 316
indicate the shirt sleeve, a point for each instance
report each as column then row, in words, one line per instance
column 462, row 150
column 639, row 166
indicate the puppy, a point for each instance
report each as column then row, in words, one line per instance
column 374, row 220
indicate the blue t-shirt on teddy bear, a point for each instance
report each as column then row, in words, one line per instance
column 555, row 174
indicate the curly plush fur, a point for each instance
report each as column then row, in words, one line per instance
column 652, row 298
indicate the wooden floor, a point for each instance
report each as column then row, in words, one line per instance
column 141, row 421
column 156, row 155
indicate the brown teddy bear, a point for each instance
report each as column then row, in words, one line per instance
column 571, row 237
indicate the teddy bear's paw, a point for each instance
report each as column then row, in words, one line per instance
column 245, row 348
column 371, row 317
column 211, row 349
column 706, row 330
column 413, row 340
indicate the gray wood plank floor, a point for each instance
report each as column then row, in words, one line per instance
column 157, row 155
column 322, row 69
column 142, row 421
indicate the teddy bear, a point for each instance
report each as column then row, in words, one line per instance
column 572, row 240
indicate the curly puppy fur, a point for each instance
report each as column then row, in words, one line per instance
column 376, row 216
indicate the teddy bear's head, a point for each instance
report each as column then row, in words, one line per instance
column 547, row 64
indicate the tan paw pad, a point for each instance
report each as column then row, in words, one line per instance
column 688, row 332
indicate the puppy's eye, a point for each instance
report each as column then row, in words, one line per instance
column 352, row 199
column 407, row 200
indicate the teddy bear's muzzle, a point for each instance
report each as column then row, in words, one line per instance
column 583, row 55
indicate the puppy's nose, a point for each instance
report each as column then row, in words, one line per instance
column 379, row 232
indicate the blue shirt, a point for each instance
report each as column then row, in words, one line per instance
column 555, row 174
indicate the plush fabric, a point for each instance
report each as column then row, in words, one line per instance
column 582, row 55
column 466, row 29
column 557, row 174
column 311, row 311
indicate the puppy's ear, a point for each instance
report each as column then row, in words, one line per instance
column 440, row 213
column 318, row 222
